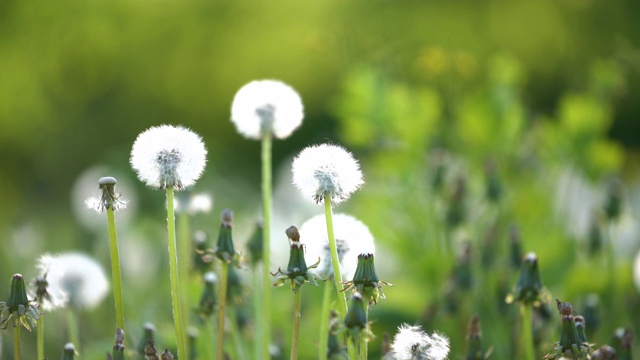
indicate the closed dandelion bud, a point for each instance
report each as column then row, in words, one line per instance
column 335, row 348
column 591, row 313
column 456, row 211
column 297, row 269
column 118, row 346
column 529, row 287
column 193, row 336
column 365, row 280
column 569, row 344
column 356, row 322
column 150, row 350
column 462, row 272
column 225, row 249
column 596, row 238
column 605, row 352
column 18, row 307
column 69, row 352
column 147, row 335
column 580, row 328
column 201, row 258
column 235, row 289
column 613, row 201
column 474, row 336
column 166, row 355
column 208, row 298
column 255, row 244
column 515, row 247
column 622, row 342
column 494, row 186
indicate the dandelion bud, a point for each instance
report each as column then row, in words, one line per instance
column 168, row 156
column 297, row 269
column 201, row 259
column 208, row 298
column 456, row 211
column 622, row 342
column 149, row 331
column 515, row 246
column 150, row 350
column 166, row 355
column 605, row 352
column 356, row 319
column 118, row 346
column 326, row 170
column 474, row 334
column 69, row 352
column 255, row 244
column 569, row 344
column 225, row 250
column 193, row 336
column 613, row 202
column 18, row 307
column 266, row 107
column 529, row 287
column 335, row 349
column 580, row 328
column 365, row 280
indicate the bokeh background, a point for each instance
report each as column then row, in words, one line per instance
column 539, row 99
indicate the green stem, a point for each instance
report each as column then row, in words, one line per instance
column 266, row 247
column 334, row 254
column 296, row 324
column 258, row 309
column 72, row 323
column 16, row 342
column 323, row 337
column 115, row 268
column 222, row 298
column 173, row 276
column 209, row 337
column 364, row 344
column 184, row 254
column 235, row 333
column 40, row 339
column 611, row 258
column 527, row 331
column 351, row 349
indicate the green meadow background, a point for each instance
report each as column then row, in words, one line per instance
column 545, row 93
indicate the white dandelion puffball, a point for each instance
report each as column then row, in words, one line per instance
column 326, row 169
column 352, row 239
column 57, row 297
column 411, row 343
column 78, row 276
column 266, row 104
column 168, row 156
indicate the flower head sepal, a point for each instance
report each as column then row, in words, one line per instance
column 19, row 308
column 297, row 269
column 529, row 289
column 365, row 280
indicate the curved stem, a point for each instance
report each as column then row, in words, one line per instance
column 40, row 339
column 222, row 298
column 173, row 276
column 266, row 245
column 323, row 337
column 296, row 324
column 527, row 331
column 16, row 342
column 115, row 268
column 337, row 276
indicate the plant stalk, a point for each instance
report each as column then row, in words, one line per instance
column 40, row 339
column 173, row 276
column 323, row 337
column 527, row 331
column 16, row 342
column 115, row 268
column 222, row 298
column 266, row 246
column 296, row 324
column 337, row 276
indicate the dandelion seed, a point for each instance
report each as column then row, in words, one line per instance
column 108, row 197
column 411, row 343
column 266, row 106
column 352, row 239
column 76, row 275
column 326, row 169
column 168, row 156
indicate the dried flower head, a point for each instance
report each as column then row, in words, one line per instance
column 411, row 343
column 79, row 277
column 168, row 156
column 108, row 197
column 326, row 170
column 297, row 270
column 352, row 239
column 266, row 106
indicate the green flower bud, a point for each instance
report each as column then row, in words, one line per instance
column 149, row 330
column 69, row 352
column 529, row 287
column 622, row 342
column 297, row 269
column 366, row 281
column 18, row 307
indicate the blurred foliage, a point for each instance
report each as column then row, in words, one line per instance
column 492, row 92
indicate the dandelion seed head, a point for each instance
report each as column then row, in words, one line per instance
column 326, row 169
column 266, row 104
column 411, row 343
column 79, row 277
column 352, row 239
column 57, row 298
column 168, row 156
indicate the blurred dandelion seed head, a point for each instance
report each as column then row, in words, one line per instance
column 411, row 343
column 79, row 277
column 266, row 105
column 352, row 239
column 326, row 169
column 168, row 156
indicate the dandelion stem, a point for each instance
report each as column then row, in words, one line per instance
column 323, row 338
column 259, row 318
column 183, row 269
column 235, row 333
column 16, row 342
column 527, row 331
column 40, row 340
column 296, row 324
column 173, row 276
column 334, row 253
column 266, row 247
column 115, row 267
column 222, row 298
column 72, row 323
column 209, row 337
column 364, row 344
